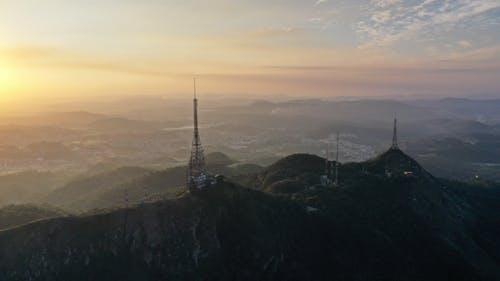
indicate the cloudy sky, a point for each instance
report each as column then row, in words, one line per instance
column 55, row 48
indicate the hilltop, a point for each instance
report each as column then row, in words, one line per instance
column 300, row 172
column 371, row 227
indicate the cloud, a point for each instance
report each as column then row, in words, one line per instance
column 487, row 56
column 392, row 21
column 316, row 19
column 464, row 44
column 381, row 16
column 385, row 3
column 318, row 2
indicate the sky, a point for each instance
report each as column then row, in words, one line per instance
column 57, row 48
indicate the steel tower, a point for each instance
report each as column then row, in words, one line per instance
column 327, row 160
column 336, row 182
column 197, row 176
column 395, row 135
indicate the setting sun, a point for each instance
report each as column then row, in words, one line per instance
column 5, row 78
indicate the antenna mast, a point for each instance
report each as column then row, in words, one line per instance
column 395, row 135
column 194, row 87
column 327, row 159
column 337, row 161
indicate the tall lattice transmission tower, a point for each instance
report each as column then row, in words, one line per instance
column 197, row 177
column 395, row 135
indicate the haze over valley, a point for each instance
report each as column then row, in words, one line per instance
column 312, row 140
column 452, row 138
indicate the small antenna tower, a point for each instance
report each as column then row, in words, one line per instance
column 125, row 195
column 331, row 170
column 145, row 197
column 395, row 134
column 327, row 159
column 337, row 161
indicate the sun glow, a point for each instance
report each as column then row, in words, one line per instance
column 303, row 48
column 5, row 79
column 8, row 81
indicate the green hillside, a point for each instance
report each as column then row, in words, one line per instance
column 106, row 190
column 78, row 192
column 16, row 215
column 371, row 227
column 29, row 186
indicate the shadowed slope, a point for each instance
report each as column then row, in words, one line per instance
column 15, row 215
column 372, row 228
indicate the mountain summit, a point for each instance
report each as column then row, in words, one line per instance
column 372, row 227
column 395, row 163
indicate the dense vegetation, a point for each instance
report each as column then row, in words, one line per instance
column 369, row 228
column 102, row 187
column 16, row 215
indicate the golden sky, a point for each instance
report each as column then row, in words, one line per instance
column 60, row 48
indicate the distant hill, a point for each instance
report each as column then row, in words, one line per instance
column 78, row 192
column 75, row 117
column 23, row 135
column 49, row 150
column 366, row 110
column 66, row 119
column 152, row 186
column 29, row 186
column 107, row 189
column 16, row 215
column 103, row 190
column 117, row 124
column 45, row 150
column 218, row 159
column 460, row 157
column 446, row 127
column 480, row 110
column 161, row 162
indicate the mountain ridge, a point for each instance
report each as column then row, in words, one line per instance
column 372, row 227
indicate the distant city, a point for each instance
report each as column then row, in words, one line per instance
column 258, row 133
